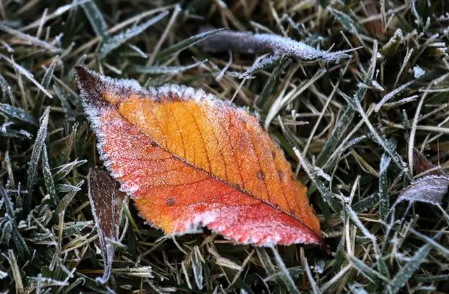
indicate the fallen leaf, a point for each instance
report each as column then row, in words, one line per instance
column 253, row 43
column 190, row 160
column 428, row 189
column 422, row 164
column 104, row 195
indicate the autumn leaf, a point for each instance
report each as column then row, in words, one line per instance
column 190, row 160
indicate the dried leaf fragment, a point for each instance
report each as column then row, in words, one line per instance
column 428, row 189
column 422, row 164
column 252, row 43
column 104, row 195
column 190, row 160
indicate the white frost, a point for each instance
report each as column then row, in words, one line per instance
column 377, row 86
column 287, row 46
column 418, row 72
column 391, row 94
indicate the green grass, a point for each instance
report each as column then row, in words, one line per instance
column 327, row 117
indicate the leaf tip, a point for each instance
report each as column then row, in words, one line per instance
column 88, row 82
column 98, row 90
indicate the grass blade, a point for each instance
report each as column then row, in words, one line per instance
column 407, row 271
column 348, row 115
column 315, row 289
column 166, row 70
column 39, row 144
column 115, row 41
column 18, row 113
column 65, row 201
column 48, row 178
column 434, row 244
column 15, row 272
column 30, row 76
column 197, row 267
column 184, row 44
column 65, row 169
column 384, row 197
column 45, row 84
column 365, row 270
column 96, row 19
column 30, row 39
column 284, row 274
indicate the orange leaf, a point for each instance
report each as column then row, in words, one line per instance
column 190, row 160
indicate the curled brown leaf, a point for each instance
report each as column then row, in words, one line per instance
column 256, row 43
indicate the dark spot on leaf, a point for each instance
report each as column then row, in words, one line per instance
column 260, row 175
column 281, row 175
column 154, row 144
column 170, row 201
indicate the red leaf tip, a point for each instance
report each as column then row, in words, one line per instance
column 95, row 87
column 90, row 84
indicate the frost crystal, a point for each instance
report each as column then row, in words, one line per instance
column 418, row 72
column 262, row 64
column 377, row 86
column 287, row 46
